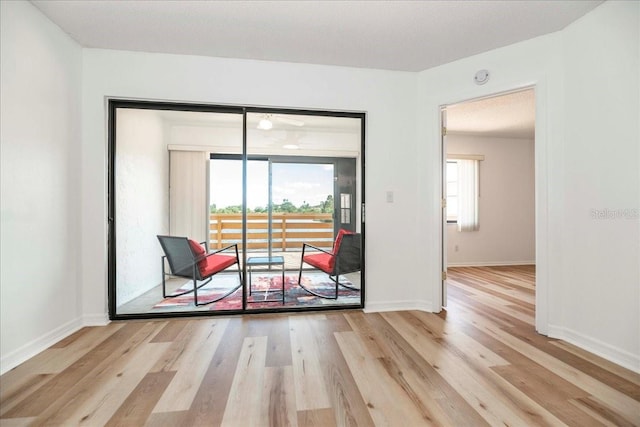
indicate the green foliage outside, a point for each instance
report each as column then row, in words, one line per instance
column 286, row 206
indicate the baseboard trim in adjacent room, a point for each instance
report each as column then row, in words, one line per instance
column 38, row 345
column 489, row 264
column 611, row 353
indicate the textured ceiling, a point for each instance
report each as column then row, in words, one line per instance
column 393, row 35
column 510, row 116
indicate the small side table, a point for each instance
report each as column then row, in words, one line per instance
column 266, row 261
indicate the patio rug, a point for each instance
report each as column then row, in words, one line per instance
column 294, row 294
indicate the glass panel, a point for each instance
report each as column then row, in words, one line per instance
column 345, row 208
column 452, row 171
column 225, row 190
column 180, row 174
column 303, row 204
column 226, row 202
column 161, row 189
column 302, row 151
column 452, row 208
column 452, row 190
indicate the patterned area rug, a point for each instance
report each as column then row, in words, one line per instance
column 264, row 287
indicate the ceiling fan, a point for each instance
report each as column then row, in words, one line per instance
column 266, row 122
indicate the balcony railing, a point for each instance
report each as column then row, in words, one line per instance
column 288, row 230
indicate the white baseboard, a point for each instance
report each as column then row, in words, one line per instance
column 378, row 307
column 488, row 264
column 100, row 319
column 607, row 351
column 38, row 345
column 42, row 343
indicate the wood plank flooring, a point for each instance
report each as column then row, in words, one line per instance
column 478, row 363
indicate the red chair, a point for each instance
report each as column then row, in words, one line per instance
column 345, row 257
column 187, row 258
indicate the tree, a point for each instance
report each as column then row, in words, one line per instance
column 286, row 206
column 327, row 205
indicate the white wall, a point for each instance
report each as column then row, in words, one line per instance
column 388, row 97
column 586, row 158
column 142, row 201
column 601, row 150
column 506, row 204
column 40, row 154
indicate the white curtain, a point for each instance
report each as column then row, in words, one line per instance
column 188, row 213
column 468, row 189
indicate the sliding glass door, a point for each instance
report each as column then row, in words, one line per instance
column 158, row 186
column 267, row 182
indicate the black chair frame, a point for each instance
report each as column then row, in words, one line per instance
column 189, row 268
column 347, row 260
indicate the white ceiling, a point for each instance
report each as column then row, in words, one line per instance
column 393, row 35
column 508, row 116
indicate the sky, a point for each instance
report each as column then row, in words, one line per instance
column 299, row 183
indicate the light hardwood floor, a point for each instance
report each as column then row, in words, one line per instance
column 477, row 363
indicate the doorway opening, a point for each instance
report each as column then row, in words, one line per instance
column 488, row 192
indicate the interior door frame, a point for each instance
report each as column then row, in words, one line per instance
column 115, row 103
column 443, row 196
column 540, row 193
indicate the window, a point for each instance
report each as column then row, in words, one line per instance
column 463, row 190
column 345, row 208
column 468, row 192
column 452, row 191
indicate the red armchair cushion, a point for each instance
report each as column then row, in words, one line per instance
column 324, row 261
column 198, row 251
column 215, row 263
column 196, row 247
column 321, row 260
column 211, row 264
column 336, row 244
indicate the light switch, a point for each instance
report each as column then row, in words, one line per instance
column 389, row 196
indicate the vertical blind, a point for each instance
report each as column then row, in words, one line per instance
column 468, row 192
column 188, row 210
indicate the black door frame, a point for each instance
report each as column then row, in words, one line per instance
column 118, row 103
